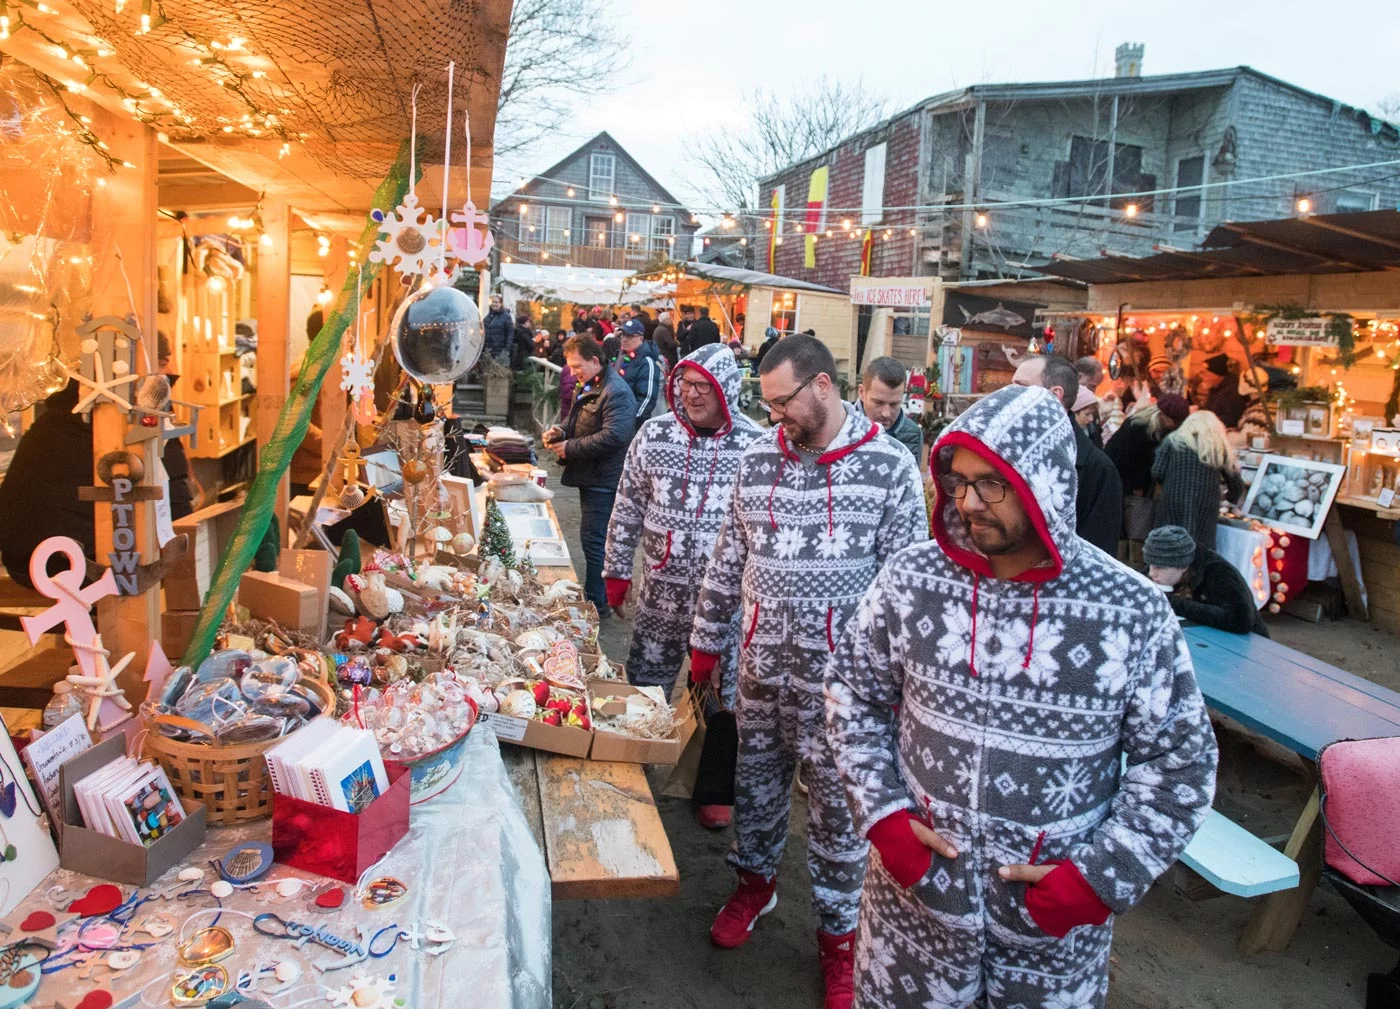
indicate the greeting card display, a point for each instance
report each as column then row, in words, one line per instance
column 27, row 853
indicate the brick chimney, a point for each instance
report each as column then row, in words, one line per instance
column 1128, row 58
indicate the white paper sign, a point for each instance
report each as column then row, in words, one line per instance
column 1387, row 496
column 507, row 727
column 1299, row 333
column 890, row 295
column 46, row 754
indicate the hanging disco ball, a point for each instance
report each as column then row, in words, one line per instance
column 437, row 335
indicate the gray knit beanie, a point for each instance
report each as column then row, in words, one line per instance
column 1169, row 547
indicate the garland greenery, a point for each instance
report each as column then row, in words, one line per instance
column 1340, row 327
column 1288, row 399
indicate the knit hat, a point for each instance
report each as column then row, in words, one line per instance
column 1218, row 365
column 1174, row 407
column 1084, row 400
column 1159, row 361
column 1169, row 547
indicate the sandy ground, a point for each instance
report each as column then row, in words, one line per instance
column 1169, row 953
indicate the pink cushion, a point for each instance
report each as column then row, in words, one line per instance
column 1361, row 790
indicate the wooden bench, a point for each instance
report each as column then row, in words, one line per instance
column 1301, row 703
column 1232, row 859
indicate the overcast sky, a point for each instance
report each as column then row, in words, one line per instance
column 693, row 64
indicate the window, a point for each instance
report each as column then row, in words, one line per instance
column 557, row 235
column 1189, row 172
column 638, row 235
column 602, row 173
column 783, row 316
column 532, row 227
column 1086, row 172
column 663, row 233
column 872, row 195
column 1356, row 201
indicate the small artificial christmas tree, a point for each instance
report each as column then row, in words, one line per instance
column 349, row 562
column 495, row 537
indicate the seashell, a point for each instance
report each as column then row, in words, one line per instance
column 520, row 703
column 340, row 602
column 393, row 599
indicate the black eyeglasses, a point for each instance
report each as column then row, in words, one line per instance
column 778, row 404
column 989, row 489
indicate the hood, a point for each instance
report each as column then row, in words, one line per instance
column 1027, row 434
column 717, row 364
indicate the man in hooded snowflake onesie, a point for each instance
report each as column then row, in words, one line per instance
column 819, row 504
column 675, row 489
column 1019, row 731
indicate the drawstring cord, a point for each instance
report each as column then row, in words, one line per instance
column 830, row 513
column 1035, row 852
column 709, row 480
column 972, row 651
column 685, row 481
column 1035, row 616
column 782, row 461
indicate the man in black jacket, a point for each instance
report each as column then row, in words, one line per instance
column 1099, row 505
column 637, row 361
column 498, row 329
column 592, row 446
column 1206, row 588
column 702, row 333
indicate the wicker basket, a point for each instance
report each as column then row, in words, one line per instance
column 231, row 780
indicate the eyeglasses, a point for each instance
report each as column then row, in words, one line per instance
column 989, row 489
column 779, row 404
column 701, row 388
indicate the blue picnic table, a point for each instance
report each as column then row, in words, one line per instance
column 1301, row 703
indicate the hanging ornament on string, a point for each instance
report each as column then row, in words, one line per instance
column 412, row 242
column 357, row 372
column 473, row 242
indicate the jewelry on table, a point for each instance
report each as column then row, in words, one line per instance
column 246, row 862
column 394, row 928
column 209, row 945
column 275, row 927
column 285, row 972
column 198, row 985
column 383, row 893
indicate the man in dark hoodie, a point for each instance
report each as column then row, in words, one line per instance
column 638, row 362
column 1099, row 505
column 1205, row 587
column 703, row 333
column 1018, row 727
column 880, row 396
column 498, row 329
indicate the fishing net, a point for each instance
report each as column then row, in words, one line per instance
column 331, row 78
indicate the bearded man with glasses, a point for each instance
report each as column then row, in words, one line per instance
column 818, row 505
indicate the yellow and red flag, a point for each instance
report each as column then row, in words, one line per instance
column 867, row 247
column 777, row 205
column 816, row 206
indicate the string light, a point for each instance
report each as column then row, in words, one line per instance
column 1304, row 205
column 569, row 192
column 1131, row 210
column 981, row 221
column 323, row 297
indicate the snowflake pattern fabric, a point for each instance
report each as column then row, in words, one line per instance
column 792, row 558
column 671, row 500
column 1033, row 740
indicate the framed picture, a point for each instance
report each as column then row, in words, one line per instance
column 1319, row 420
column 1293, row 495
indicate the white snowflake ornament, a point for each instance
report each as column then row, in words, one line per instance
column 411, row 239
column 366, row 992
column 357, row 376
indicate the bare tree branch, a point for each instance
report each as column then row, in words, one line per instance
column 778, row 133
column 1390, row 107
column 557, row 51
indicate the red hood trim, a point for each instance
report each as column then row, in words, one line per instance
column 831, row 455
column 975, row 561
column 728, row 424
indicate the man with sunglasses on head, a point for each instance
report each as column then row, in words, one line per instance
column 819, row 503
column 1016, row 720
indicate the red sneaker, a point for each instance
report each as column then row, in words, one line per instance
column 838, row 959
column 755, row 897
column 714, row 817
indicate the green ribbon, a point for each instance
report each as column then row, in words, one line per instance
column 292, row 422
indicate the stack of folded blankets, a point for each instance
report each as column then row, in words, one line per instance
column 507, row 445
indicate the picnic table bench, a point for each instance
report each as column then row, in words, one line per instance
column 1301, row 703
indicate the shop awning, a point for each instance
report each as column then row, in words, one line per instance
column 581, row 286
column 1325, row 243
column 749, row 278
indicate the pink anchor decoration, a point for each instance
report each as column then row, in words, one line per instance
column 157, row 669
column 470, row 244
column 72, row 603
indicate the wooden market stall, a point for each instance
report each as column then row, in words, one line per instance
column 1314, row 300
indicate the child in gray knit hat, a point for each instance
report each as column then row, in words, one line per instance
column 1203, row 586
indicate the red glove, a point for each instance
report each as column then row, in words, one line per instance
column 904, row 856
column 617, row 590
column 1063, row 900
column 702, row 666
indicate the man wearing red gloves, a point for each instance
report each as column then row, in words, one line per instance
column 819, row 504
column 675, row 490
column 980, row 708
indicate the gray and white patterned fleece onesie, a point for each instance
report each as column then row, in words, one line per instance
column 673, row 495
column 1003, row 710
column 802, row 541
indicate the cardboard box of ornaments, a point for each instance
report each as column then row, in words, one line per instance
column 631, row 749
column 111, row 858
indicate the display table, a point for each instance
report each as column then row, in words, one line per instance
column 470, row 865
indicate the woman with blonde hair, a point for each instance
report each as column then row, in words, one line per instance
column 1191, row 465
column 1133, row 449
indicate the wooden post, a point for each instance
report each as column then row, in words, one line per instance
column 124, row 217
column 1277, row 915
column 1346, row 571
column 274, row 294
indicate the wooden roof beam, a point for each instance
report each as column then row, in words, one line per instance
column 1269, row 243
column 1318, row 222
column 1209, row 260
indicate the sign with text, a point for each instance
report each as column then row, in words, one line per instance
column 892, row 292
column 1299, row 333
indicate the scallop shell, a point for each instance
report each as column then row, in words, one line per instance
column 520, row 703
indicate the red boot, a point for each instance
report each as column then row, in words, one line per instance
column 838, row 959
column 755, row 897
column 714, row 817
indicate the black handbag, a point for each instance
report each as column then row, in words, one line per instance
column 714, row 781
